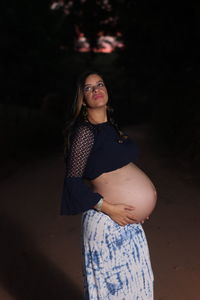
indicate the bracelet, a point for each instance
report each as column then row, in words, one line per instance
column 99, row 205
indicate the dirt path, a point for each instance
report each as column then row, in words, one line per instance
column 40, row 256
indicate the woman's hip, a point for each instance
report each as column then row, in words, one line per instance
column 97, row 226
column 115, row 257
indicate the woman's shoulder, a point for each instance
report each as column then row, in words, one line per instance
column 84, row 125
column 84, row 128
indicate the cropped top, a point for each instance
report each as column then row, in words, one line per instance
column 95, row 149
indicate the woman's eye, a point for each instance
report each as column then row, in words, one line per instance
column 87, row 89
column 101, row 84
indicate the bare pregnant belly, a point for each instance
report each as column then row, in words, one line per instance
column 128, row 185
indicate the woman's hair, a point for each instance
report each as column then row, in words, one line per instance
column 78, row 112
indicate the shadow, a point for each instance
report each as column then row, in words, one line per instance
column 25, row 273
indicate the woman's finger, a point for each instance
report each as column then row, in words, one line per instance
column 131, row 216
column 131, row 220
column 129, row 207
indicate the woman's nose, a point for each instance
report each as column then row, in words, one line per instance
column 95, row 89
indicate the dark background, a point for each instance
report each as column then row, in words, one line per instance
column 155, row 93
column 154, row 80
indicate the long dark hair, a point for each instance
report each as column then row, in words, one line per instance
column 78, row 110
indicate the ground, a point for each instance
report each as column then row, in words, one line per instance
column 40, row 253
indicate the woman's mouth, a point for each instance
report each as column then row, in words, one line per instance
column 97, row 96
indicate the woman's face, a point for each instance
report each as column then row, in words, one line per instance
column 95, row 92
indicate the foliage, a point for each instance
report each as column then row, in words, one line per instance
column 92, row 16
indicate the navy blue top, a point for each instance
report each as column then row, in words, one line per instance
column 95, row 149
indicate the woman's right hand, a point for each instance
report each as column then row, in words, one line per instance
column 120, row 213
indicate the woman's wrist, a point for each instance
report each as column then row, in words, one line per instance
column 103, row 206
column 106, row 207
column 99, row 204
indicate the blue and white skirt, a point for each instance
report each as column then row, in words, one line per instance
column 116, row 262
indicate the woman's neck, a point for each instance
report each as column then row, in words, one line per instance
column 97, row 117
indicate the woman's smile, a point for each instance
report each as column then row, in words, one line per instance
column 96, row 96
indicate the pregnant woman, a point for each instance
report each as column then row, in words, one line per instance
column 114, row 196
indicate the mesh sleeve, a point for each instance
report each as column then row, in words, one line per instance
column 77, row 197
column 81, row 147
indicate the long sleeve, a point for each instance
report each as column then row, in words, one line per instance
column 77, row 197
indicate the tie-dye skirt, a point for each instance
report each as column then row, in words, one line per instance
column 116, row 262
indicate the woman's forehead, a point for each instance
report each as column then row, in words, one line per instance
column 93, row 79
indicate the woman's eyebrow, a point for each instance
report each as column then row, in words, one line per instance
column 91, row 84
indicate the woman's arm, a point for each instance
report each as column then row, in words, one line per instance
column 77, row 196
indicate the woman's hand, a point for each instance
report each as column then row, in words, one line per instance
column 120, row 213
